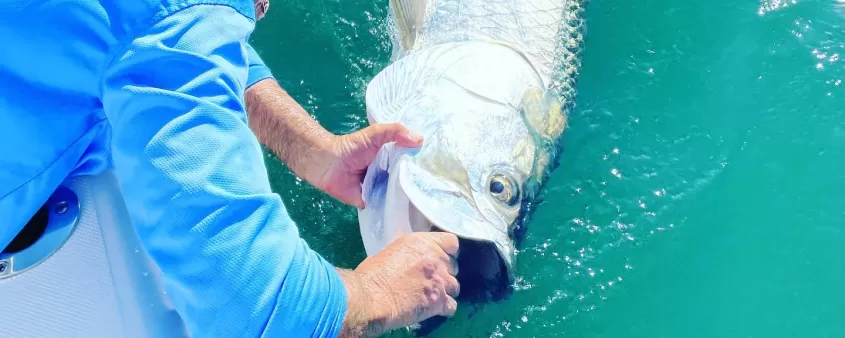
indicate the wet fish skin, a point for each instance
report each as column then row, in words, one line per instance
column 488, row 83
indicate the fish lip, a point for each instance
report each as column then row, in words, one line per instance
column 431, row 209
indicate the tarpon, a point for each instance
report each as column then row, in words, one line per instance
column 488, row 83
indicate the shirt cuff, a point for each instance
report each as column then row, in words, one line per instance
column 257, row 70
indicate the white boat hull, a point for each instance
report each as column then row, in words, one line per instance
column 99, row 283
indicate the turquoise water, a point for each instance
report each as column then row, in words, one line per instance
column 701, row 190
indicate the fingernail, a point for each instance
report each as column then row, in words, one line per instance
column 414, row 136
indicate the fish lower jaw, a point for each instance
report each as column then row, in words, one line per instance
column 418, row 221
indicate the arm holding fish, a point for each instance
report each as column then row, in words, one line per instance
column 409, row 281
column 197, row 192
column 334, row 164
column 196, row 188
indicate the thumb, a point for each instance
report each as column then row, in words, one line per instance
column 380, row 134
column 354, row 198
column 360, row 148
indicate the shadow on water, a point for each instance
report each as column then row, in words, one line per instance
column 483, row 278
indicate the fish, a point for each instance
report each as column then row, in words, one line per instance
column 489, row 84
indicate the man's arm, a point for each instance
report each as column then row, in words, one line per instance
column 359, row 320
column 282, row 125
column 197, row 189
column 375, row 302
column 333, row 164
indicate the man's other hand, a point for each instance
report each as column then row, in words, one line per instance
column 333, row 164
column 351, row 154
column 409, row 281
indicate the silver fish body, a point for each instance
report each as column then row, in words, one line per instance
column 488, row 83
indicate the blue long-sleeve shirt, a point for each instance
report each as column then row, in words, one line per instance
column 155, row 90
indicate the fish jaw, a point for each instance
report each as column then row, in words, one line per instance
column 446, row 209
column 401, row 197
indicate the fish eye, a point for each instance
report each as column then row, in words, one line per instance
column 497, row 187
column 504, row 190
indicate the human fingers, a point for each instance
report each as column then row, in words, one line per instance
column 451, row 264
column 379, row 134
column 452, row 286
column 447, row 242
column 354, row 197
column 409, row 139
column 450, row 307
column 358, row 203
column 349, row 193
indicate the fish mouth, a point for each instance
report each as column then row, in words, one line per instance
column 487, row 255
column 402, row 197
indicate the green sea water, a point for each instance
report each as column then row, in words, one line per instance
column 701, row 190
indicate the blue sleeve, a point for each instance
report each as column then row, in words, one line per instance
column 197, row 190
column 257, row 70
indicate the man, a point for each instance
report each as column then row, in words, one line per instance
column 161, row 91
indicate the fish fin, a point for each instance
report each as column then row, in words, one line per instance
column 410, row 17
column 394, row 86
column 386, row 94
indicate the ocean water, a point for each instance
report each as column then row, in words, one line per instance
column 701, row 192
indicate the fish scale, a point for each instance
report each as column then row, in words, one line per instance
column 540, row 28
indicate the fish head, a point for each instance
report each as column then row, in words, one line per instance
column 485, row 114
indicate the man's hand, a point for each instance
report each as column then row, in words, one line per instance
column 334, row 164
column 411, row 280
column 351, row 154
